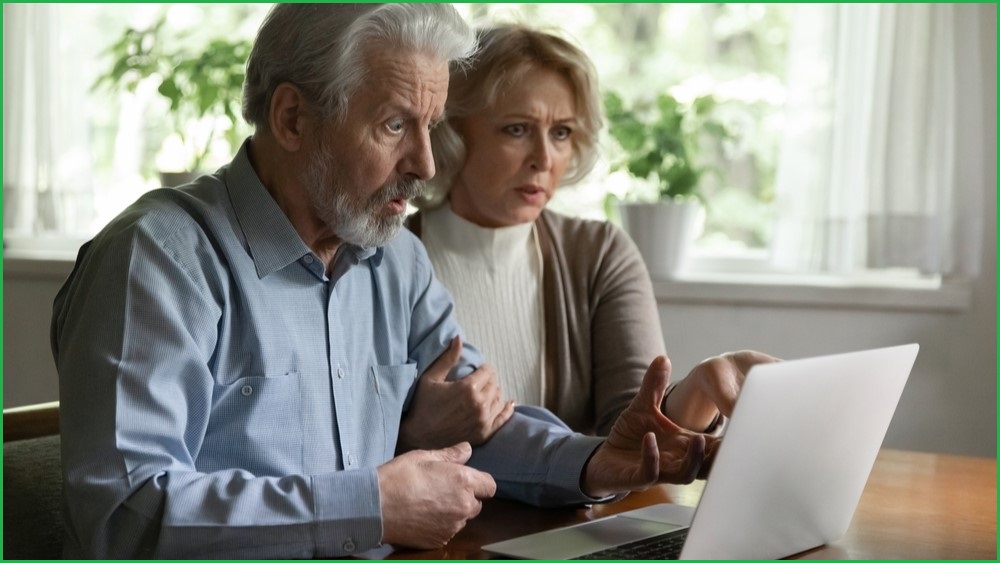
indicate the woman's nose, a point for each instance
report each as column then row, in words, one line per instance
column 541, row 155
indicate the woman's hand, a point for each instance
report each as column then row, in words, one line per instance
column 445, row 412
column 711, row 388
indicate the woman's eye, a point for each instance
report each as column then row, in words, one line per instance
column 517, row 129
column 395, row 125
column 562, row 133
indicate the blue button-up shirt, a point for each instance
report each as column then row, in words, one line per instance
column 221, row 396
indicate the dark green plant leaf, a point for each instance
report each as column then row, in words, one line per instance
column 169, row 90
column 664, row 137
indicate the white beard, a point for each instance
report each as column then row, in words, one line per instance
column 354, row 220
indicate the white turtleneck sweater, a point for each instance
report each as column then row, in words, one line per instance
column 495, row 278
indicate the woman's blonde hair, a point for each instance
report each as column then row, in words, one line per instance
column 506, row 53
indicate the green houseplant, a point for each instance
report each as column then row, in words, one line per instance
column 661, row 140
column 203, row 87
column 659, row 144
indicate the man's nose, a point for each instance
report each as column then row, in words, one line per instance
column 419, row 159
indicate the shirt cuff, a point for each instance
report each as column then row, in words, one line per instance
column 348, row 512
column 566, row 472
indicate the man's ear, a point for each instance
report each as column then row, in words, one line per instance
column 287, row 116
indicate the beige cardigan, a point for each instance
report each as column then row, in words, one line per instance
column 601, row 320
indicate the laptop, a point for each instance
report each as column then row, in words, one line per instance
column 787, row 477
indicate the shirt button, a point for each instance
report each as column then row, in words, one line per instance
column 246, row 390
column 340, row 373
column 349, row 545
column 308, row 259
column 351, row 460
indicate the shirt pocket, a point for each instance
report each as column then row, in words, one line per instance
column 393, row 385
column 257, row 414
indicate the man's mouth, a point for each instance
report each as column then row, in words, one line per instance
column 396, row 206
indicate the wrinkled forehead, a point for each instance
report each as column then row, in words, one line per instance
column 416, row 80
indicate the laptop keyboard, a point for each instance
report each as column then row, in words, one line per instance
column 663, row 546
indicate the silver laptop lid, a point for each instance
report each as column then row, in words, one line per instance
column 788, row 475
column 797, row 454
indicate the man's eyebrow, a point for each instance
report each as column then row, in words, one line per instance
column 439, row 120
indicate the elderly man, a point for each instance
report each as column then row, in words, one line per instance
column 235, row 355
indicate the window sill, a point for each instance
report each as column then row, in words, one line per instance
column 772, row 290
column 34, row 264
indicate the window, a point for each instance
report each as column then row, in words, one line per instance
column 74, row 154
column 823, row 105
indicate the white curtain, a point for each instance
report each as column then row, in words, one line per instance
column 885, row 103
column 47, row 185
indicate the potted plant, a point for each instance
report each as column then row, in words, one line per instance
column 203, row 87
column 660, row 143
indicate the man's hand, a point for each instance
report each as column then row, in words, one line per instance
column 427, row 496
column 644, row 446
column 712, row 388
column 445, row 412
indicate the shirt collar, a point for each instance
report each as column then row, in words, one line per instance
column 271, row 239
column 371, row 253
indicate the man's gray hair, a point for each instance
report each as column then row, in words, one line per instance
column 320, row 48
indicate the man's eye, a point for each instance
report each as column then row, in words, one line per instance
column 394, row 125
column 517, row 129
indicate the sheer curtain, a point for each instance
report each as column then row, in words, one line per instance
column 47, row 187
column 881, row 165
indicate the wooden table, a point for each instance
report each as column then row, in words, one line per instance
column 915, row 506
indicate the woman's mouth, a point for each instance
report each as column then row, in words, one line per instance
column 534, row 195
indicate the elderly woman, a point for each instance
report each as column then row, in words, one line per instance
column 562, row 307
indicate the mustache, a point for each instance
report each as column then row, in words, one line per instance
column 405, row 188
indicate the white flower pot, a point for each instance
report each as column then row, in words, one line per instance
column 664, row 232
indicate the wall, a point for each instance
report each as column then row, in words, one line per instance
column 949, row 404
column 29, row 373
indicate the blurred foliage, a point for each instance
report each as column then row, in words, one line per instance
column 722, row 51
column 661, row 140
column 197, row 83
